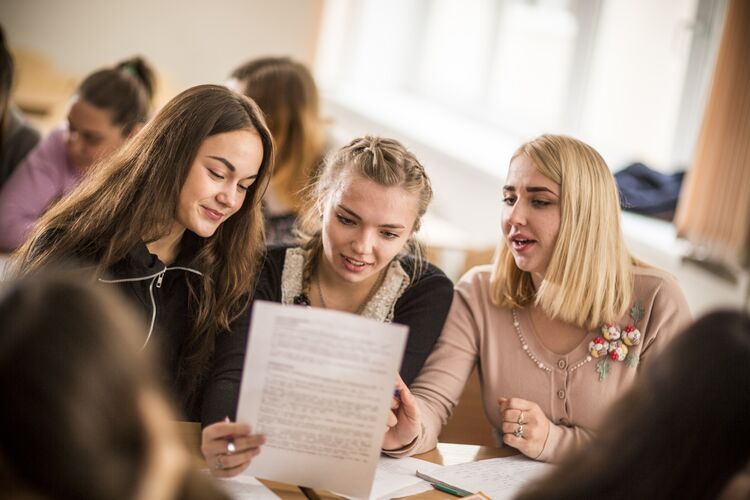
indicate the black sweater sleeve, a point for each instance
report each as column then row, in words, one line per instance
column 222, row 390
column 423, row 308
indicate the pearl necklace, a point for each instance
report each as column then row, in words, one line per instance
column 532, row 356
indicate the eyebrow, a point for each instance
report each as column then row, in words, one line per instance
column 229, row 165
column 532, row 189
column 354, row 214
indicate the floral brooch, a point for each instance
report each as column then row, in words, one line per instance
column 614, row 342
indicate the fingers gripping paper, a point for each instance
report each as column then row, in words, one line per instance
column 318, row 384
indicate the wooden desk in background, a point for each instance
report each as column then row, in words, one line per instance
column 444, row 454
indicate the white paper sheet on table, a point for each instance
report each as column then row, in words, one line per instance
column 319, row 383
column 498, row 478
column 396, row 477
column 247, row 488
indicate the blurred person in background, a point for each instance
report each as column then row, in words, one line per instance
column 681, row 433
column 286, row 92
column 17, row 137
column 109, row 107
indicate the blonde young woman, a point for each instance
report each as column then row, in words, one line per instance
column 286, row 92
column 559, row 326
column 358, row 254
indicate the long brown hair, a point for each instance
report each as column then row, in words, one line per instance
column 286, row 92
column 132, row 198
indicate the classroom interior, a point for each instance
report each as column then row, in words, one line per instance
column 462, row 84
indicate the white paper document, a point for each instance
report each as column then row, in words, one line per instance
column 498, row 478
column 318, row 383
column 246, row 488
column 396, row 477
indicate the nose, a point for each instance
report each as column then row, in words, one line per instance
column 227, row 197
column 515, row 215
column 362, row 244
column 74, row 143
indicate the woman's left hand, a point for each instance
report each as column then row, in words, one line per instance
column 525, row 426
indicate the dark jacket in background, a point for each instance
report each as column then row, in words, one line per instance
column 18, row 139
column 648, row 192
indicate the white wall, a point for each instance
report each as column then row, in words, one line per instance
column 188, row 41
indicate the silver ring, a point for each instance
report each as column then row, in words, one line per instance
column 520, row 419
column 519, row 431
column 219, row 465
column 230, row 447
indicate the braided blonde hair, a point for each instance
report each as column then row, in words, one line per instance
column 379, row 159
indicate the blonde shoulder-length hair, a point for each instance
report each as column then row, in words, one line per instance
column 589, row 279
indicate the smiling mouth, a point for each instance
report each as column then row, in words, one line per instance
column 213, row 214
column 355, row 263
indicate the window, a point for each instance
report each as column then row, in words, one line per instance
column 612, row 72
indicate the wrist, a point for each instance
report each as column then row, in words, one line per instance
column 402, row 446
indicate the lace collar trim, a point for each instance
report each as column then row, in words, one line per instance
column 380, row 307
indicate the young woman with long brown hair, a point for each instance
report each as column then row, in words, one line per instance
column 174, row 220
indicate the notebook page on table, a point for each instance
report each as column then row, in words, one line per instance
column 499, row 478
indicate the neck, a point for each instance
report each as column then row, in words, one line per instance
column 167, row 247
column 537, row 279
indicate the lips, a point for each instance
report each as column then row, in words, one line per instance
column 521, row 242
column 212, row 214
column 354, row 265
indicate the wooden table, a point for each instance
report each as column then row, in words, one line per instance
column 444, row 454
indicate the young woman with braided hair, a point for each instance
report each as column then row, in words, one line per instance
column 358, row 253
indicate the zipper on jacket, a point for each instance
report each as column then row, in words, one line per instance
column 155, row 279
column 160, row 278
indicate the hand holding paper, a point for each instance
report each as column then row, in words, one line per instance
column 407, row 420
column 225, row 461
column 318, row 383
